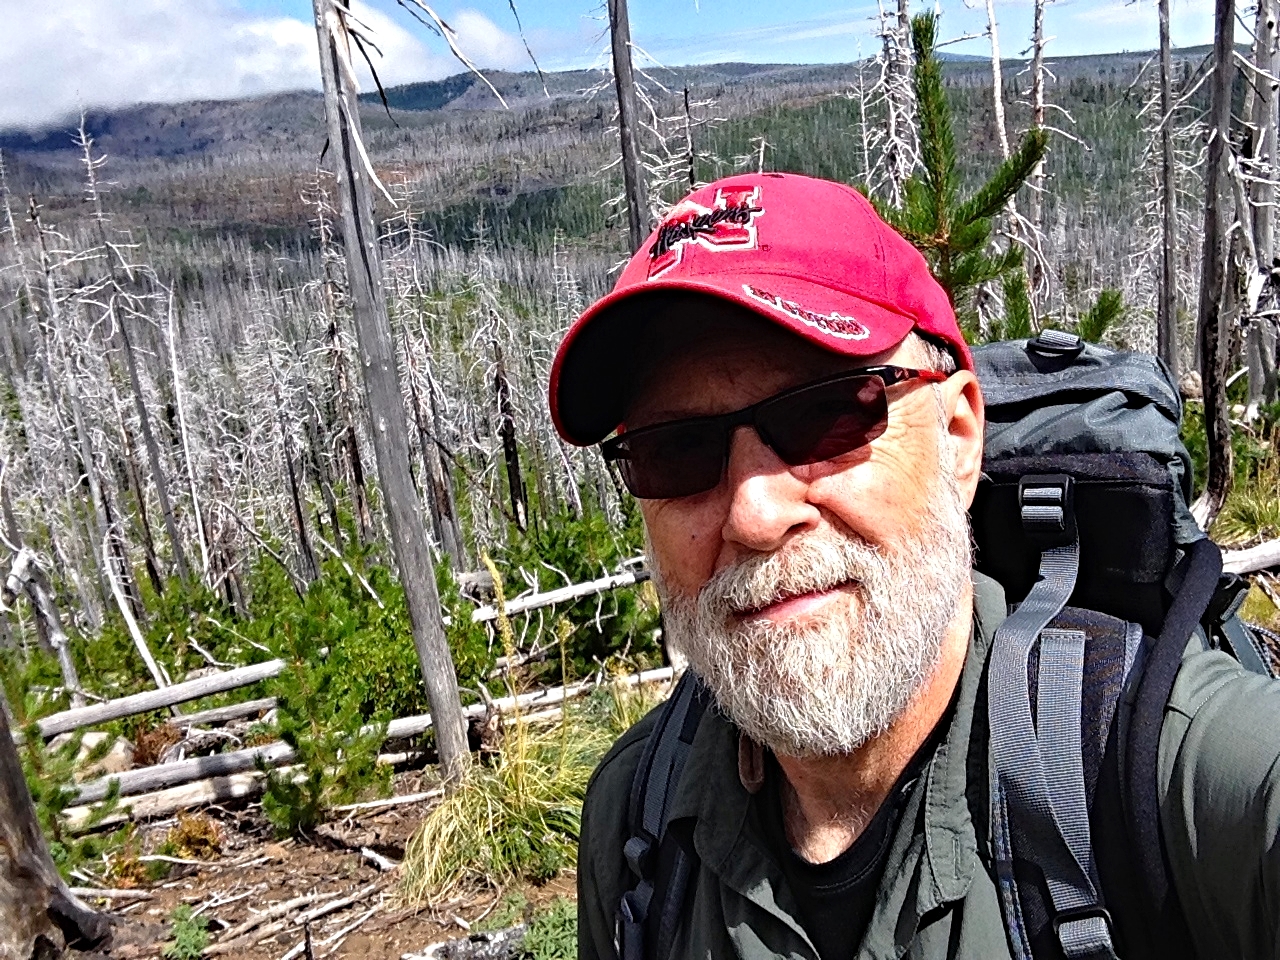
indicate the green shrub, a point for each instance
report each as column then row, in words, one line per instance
column 587, row 548
column 190, row 935
column 320, row 715
column 553, row 934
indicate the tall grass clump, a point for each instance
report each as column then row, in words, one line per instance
column 518, row 819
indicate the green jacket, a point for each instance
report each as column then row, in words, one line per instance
column 1219, row 768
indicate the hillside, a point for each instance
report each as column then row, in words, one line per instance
column 237, row 169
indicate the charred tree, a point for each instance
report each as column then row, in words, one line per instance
column 510, row 448
column 1167, row 297
column 409, row 540
column 1213, row 332
column 39, row 917
column 628, row 125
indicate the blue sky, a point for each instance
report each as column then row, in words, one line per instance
column 91, row 53
column 809, row 31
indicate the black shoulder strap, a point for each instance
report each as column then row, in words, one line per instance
column 661, row 868
column 1141, row 800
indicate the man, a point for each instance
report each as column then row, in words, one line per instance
column 796, row 411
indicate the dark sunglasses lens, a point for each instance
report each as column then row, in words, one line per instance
column 826, row 420
column 673, row 459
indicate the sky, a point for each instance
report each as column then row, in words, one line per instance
column 79, row 54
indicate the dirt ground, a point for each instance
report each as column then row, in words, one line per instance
column 256, row 873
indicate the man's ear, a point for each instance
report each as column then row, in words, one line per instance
column 965, row 425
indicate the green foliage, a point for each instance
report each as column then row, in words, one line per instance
column 585, row 548
column 953, row 233
column 1252, row 453
column 1101, row 317
column 190, row 934
column 553, row 934
column 50, row 775
column 320, row 712
column 1016, row 324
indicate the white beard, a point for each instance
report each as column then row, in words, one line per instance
column 830, row 684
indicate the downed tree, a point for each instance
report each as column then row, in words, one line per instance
column 206, row 686
column 150, row 700
column 200, row 780
column 39, row 916
column 1253, row 559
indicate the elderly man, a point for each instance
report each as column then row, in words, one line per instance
column 797, row 412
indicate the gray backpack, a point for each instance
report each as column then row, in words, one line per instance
column 1082, row 517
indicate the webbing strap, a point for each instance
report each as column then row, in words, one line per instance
column 656, row 778
column 1056, row 823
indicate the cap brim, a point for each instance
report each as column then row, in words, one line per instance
column 591, row 374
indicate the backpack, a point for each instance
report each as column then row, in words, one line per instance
column 1082, row 516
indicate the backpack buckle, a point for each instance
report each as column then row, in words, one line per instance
column 1085, row 932
column 1047, row 507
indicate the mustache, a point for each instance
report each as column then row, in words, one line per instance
column 815, row 563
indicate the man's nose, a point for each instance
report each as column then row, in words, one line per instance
column 767, row 500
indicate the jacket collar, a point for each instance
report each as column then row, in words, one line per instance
column 934, row 854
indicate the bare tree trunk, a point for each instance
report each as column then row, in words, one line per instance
column 1213, row 333
column 382, row 389
column 134, row 476
column 997, row 80
column 158, row 477
column 510, row 449
column 439, row 495
column 1035, row 198
column 25, row 576
column 1167, row 299
column 39, row 917
column 628, row 124
column 1260, row 340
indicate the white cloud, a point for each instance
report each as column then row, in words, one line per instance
column 78, row 54
column 486, row 43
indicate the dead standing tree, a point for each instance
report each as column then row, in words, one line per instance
column 382, row 385
column 1167, row 298
column 1216, row 279
column 1259, row 167
column 628, row 124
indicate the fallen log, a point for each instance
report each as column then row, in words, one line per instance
column 222, row 777
column 163, row 803
column 163, row 775
column 149, row 700
column 574, row 591
column 223, row 681
column 1262, row 557
column 219, row 715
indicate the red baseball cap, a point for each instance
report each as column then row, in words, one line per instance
column 810, row 255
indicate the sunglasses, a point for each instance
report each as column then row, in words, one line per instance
column 806, row 424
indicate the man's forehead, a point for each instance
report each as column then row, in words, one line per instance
column 688, row 340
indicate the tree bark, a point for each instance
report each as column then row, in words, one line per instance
column 510, row 449
column 1035, row 197
column 26, row 576
column 1167, row 298
column 1260, row 339
column 1212, row 332
column 153, row 452
column 628, row 125
column 382, row 389
column 39, row 917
